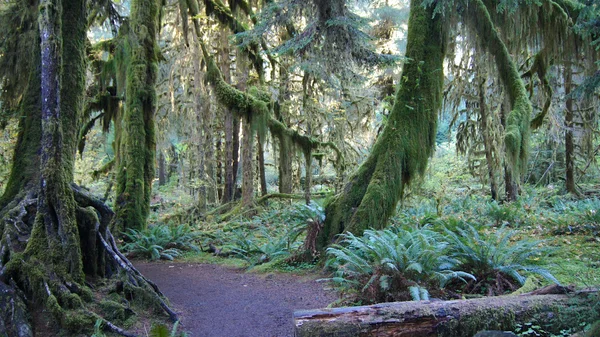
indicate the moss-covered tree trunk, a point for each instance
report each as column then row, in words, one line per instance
column 403, row 148
column 136, row 167
column 55, row 229
column 53, row 236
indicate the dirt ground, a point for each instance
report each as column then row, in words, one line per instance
column 217, row 301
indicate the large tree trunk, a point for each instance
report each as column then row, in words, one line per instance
column 407, row 141
column 450, row 318
column 53, row 236
column 136, row 168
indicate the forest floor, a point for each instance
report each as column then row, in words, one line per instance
column 216, row 300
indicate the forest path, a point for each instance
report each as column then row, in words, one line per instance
column 218, row 301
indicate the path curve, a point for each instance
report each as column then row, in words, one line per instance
column 218, row 301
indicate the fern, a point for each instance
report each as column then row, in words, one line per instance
column 161, row 241
column 392, row 258
column 486, row 255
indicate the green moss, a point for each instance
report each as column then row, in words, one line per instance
column 138, row 144
column 25, row 166
column 402, row 151
column 79, row 321
column 518, row 120
column 112, row 310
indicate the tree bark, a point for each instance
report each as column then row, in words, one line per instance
column 247, row 163
column 136, row 169
column 261, row 166
column 285, row 144
column 231, row 127
column 449, row 318
column 487, row 142
column 518, row 119
column 569, row 143
column 162, row 174
column 54, row 238
column 403, row 148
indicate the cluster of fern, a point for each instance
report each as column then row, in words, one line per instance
column 161, row 242
column 420, row 262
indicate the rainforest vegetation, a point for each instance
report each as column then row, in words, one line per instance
column 409, row 150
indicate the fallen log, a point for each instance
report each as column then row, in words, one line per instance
column 457, row 318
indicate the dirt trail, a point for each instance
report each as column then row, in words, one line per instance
column 217, row 301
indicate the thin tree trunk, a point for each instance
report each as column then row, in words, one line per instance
column 162, row 174
column 236, row 152
column 285, row 165
column 569, row 144
column 248, row 136
column 285, row 144
column 247, row 163
column 308, row 176
column 220, row 156
column 209, row 152
column 487, row 142
column 201, row 104
column 261, row 167
column 231, row 127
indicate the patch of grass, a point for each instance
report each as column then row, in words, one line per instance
column 209, row 258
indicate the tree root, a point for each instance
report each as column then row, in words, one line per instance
column 28, row 273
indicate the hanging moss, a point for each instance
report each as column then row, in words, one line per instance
column 540, row 66
column 226, row 17
column 518, row 120
column 402, row 151
column 138, row 144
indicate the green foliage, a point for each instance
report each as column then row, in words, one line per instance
column 98, row 329
column 387, row 264
column 490, row 257
column 161, row 330
column 503, row 214
column 161, row 241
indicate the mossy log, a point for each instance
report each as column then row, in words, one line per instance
column 450, row 318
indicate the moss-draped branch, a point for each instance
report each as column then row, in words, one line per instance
column 257, row 108
column 518, row 120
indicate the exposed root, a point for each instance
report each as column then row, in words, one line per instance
column 27, row 264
